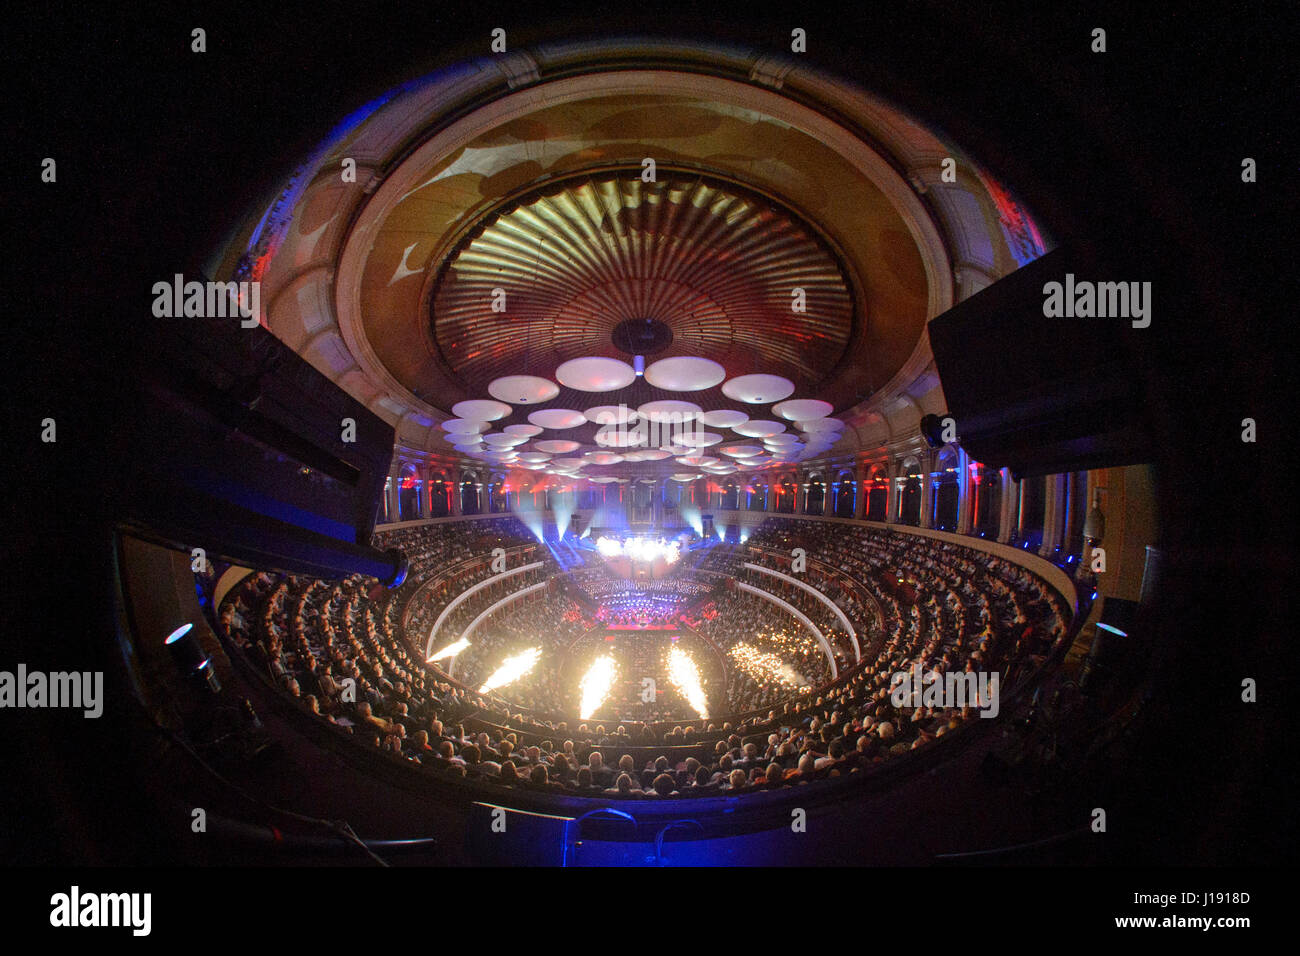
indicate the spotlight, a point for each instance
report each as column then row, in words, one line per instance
column 190, row 658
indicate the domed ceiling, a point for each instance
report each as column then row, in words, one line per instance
column 631, row 238
column 682, row 266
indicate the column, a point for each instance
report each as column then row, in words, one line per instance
column 394, row 487
column 927, row 489
column 1008, row 519
column 1053, row 520
column 964, row 487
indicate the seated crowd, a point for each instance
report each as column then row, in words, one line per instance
column 352, row 653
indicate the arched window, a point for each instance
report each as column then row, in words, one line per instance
column 987, row 519
column 439, row 496
column 877, row 494
column 730, row 495
column 909, row 502
column 469, row 501
column 408, row 494
column 943, row 515
column 1033, row 511
column 846, row 496
column 816, row 497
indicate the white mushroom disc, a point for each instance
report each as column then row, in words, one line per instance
column 557, row 446
column 534, row 457
column 699, row 439
column 603, row 458
column 610, row 414
column 528, row 431
column 532, row 466
column 741, row 451
column 616, row 436
column 684, row 476
column 523, row 389
column 463, row 426
column 720, row 469
column 676, row 449
column 822, row 425
column 695, row 461
column 757, row 389
column 481, row 410
column 784, row 438
column 568, row 463
column 803, row 409
column 603, row 479
column 478, row 446
column 670, row 410
column 501, row 440
column 557, row 418
column 759, row 428
column 724, row 418
column 685, row 373
column 595, row 374
column 648, row 454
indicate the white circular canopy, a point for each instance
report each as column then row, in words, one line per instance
column 670, row 410
column 534, row 457
column 782, row 438
column 695, row 461
column 724, row 418
column 528, row 431
column 603, row 458
column 720, row 469
column 463, row 426
column 803, row 409
column 759, row 428
column 557, row 418
column 595, row 374
column 602, row 479
column 523, row 389
column 481, row 410
column 822, row 425
column 612, row 436
column 685, row 373
column 609, row 414
column 504, row 441
column 741, row 451
column 676, row 449
column 567, row 463
column 684, row 476
column 757, row 389
column 699, row 439
column 557, row 446
column 648, row 454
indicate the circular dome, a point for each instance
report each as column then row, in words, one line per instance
column 802, row 409
column 669, row 410
column 685, row 373
column 559, row 446
column 595, row 373
column 556, row 418
column 741, row 451
column 480, row 410
column 462, row 426
column 724, row 418
column 758, row 388
column 528, row 431
column 610, row 415
column 759, row 428
column 523, row 389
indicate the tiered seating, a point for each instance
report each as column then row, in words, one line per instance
column 352, row 653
